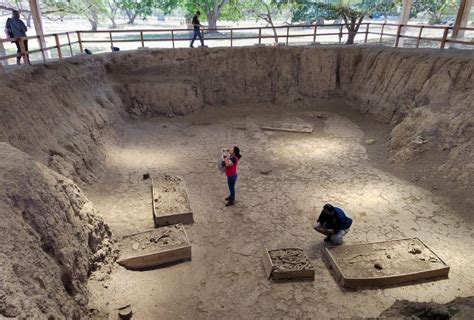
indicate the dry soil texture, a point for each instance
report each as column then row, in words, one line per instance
column 61, row 121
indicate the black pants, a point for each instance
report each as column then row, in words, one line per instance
column 18, row 51
column 197, row 34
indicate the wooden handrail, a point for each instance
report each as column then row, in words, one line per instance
column 232, row 35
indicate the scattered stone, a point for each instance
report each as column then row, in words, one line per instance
column 378, row 266
column 389, row 256
column 370, row 141
column 146, row 176
column 135, row 246
column 266, row 171
column 415, row 250
column 419, row 140
column 125, row 312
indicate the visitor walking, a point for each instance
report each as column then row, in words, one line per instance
column 333, row 223
column 16, row 28
column 231, row 160
column 197, row 29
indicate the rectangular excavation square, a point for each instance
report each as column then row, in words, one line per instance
column 288, row 127
column 170, row 201
column 154, row 248
column 384, row 263
column 287, row 264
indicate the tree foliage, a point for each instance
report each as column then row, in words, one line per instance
column 212, row 10
column 90, row 9
column 437, row 10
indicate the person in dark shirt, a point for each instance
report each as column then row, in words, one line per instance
column 197, row 29
column 15, row 28
column 333, row 223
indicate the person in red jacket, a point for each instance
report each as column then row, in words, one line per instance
column 230, row 162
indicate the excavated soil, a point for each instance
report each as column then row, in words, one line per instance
column 171, row 196
column 392, row 144
column 385, row 259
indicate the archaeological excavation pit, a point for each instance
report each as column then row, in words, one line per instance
column 390, row 140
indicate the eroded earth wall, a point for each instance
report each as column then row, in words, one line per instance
column 55, row 120
column 51, row 241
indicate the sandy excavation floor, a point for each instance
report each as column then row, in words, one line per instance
column 226, row 278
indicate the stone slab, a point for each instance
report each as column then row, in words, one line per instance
column 170, row 201
column 153, row 248
column 385, row 263
column 287, row 264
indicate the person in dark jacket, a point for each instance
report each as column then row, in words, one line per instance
column 16, row 28
column 197, row 29
column 333, row 223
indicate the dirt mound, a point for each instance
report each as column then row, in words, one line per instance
column 51, row 241
column 61, row 114
column 459, row 309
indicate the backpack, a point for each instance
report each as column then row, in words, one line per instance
column 8, row 29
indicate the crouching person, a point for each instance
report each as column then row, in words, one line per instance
column 333, row 223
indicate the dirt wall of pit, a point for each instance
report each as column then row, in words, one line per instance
column 426, row 96
column 55, row 120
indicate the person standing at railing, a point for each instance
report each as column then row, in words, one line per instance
column 16, row 28
column 197, row 29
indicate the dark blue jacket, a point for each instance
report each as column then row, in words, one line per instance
column 16, row 27
column 337, row 222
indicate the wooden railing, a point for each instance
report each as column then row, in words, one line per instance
column 382, row 33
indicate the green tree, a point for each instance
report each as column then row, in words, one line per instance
column 266, row 10
column 212, row 9
column 89, row 9
column 436, row 10
column 144, row 8
column 351, row 12
column 112, row 10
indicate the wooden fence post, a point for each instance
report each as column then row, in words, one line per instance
column 381, row 32
column 419, row 37
column 80, row 41
column 69, row 43
column 40, row 42
column 399, row 30
column 58, row 46
column 340, row 34
column 287, row 34
column 260, row 35
column 315, row 33
column 231, row 37
column 141, row 39
column 367, row 32
column 111, row 41
column 2, row 54
column 445, row 37
column 172, row 37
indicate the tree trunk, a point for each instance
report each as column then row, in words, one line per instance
column 212, row 21
column 93, row 24
column 114, row 24
column 131, row 18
